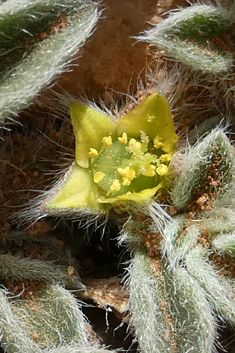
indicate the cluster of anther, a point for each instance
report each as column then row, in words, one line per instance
column 128, row 164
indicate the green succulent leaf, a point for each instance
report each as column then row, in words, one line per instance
column 179, row 239
column 47, row 317
column 200, row 36
column 220, row 290
column 14, row 268
column 190, row 311
column 209, row 166
column 169, row 309
column 37, row 40
column 225, row 243
column 14, row 340
column 155, row 333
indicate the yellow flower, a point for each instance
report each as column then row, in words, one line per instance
column 116, row 161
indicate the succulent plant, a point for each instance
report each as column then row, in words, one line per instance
column 174, row 205
column 180, row 223
column 38, row 40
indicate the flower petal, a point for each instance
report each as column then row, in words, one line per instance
column 139, row 197
column 152, row 116
column 89, row 126
column 76, row 192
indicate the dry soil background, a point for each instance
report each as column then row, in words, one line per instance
column 112, row 58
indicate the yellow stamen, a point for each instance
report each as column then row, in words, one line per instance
column 98, row 176
column 128, row 174
column 135, row 144
column 165, row 158
column 162, row 169
column 149, row 170
column 157, row 142
column 107, row 141
column 93, row 153
column 123, row 139
column 116, row 186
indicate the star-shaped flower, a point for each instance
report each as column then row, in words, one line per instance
column 116, row 161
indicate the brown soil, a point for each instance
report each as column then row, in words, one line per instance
column 112, row 58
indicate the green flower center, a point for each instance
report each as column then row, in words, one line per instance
column 129, row 165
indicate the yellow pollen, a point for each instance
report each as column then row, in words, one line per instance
column 157, row 142
column 149, row 170
column 165, row 158
column 116, row 186
column 98, row 176
column 162, row 169
column 93, row 153
column 123, row 139
column 107, row 141
column 135, row 144
column 128, row 174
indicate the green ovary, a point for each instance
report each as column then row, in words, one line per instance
column 126, row 166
